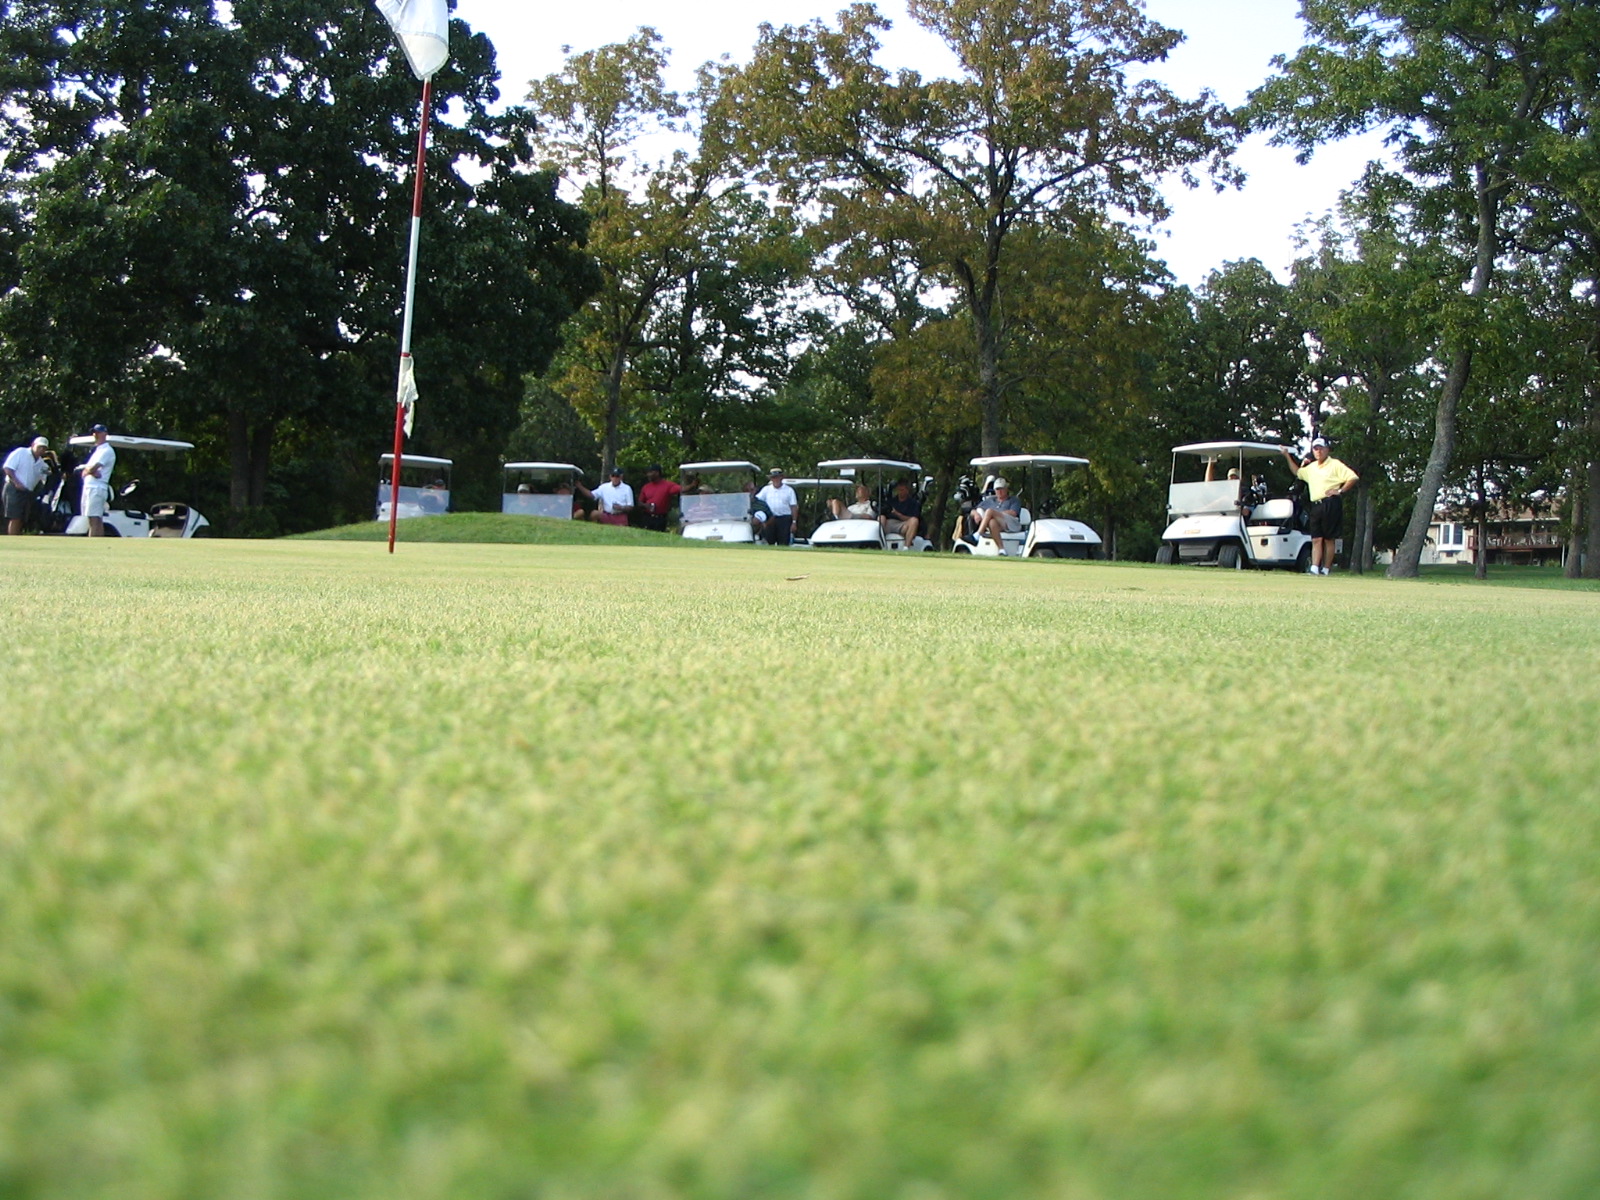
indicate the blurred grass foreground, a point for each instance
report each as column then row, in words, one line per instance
column 494, row 871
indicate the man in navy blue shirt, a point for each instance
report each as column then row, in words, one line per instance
column 904, row 515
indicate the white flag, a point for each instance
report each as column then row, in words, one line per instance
column 423, row 27
column 406, row 394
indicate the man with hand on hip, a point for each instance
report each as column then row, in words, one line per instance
column 97, row 481
column 1327, row 480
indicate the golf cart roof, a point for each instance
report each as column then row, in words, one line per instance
column 123, row 441
column 417, row 460
column 1029, row 460
column 538, row 466
column 719, row 466
column 822, row 483
column 888, row 464
column 1247, row 449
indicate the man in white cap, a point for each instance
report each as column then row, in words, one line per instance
column 25, row 467
column 997, row 514
column 783, row 504
column 97, row 481
column 1327, row 480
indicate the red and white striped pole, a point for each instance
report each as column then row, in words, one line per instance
column 411, row 291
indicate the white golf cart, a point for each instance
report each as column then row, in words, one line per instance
column 1229, row 506
column 539, row 489
column 424, row 486
column 715, row 503
column 1043, row 533
column 814, row 496
column 168, row 518
column 867, row 533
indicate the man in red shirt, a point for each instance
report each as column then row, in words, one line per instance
column 657, row 496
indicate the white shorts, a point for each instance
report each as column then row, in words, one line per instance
column 95, row 501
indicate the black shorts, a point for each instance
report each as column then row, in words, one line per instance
column 16, row 503
column 1326, row 517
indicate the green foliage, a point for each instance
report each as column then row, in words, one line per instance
column 925, row 186
column 216, row 206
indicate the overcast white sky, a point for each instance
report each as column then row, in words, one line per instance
column 1228, row 48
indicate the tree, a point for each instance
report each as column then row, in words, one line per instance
column 646, row 221
column 1370, row 296
column 1234, row 361
column 1041, row 127
column 215, row 204
column 1464, row 89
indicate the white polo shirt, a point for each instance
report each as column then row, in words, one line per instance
column 781, row 501
column 28, row 469
column 105, row 458
column 613, row 496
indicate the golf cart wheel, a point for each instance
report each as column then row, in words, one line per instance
column 1165, row 555
column 1228, row 557
column 109, row 530
column 1046, row 552
column 961, row 548
column 1302, row 561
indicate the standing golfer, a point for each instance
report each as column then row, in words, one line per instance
column 24, row 468
column 1327, row 480
column 97, row 482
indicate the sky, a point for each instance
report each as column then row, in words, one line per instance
column 1228, row 49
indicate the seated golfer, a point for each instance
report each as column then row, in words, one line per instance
column 904, row 517
column 614, row 500
column 999, row 513
column 862, row 510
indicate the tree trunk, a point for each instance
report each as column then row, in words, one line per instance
column 1361, row 556
column 238, row 457
column 988, row 381
column 260, row 458
column 610, row 444
column 1480, row 516
column 1577, row 522
column 1408, row 555
column 1590, row 568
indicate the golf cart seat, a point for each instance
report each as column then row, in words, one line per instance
column 1278, row 515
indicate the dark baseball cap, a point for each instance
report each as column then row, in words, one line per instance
column 98, row 429
column 615, row 471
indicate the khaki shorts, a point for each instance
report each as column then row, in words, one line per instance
column 95, row 501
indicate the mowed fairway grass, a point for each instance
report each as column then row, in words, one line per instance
column 561, row 872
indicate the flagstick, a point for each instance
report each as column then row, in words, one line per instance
column 411, row 291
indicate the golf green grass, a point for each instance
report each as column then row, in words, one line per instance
column 505, row 871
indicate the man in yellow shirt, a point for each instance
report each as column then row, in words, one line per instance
column 1326, row 479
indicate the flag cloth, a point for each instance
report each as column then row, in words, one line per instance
column 406, row 394
column 423, row 27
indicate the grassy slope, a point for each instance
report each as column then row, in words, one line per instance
column 488, row 871
column 507, row 528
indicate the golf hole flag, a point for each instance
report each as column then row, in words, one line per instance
column 423, row 27
column 406, row 394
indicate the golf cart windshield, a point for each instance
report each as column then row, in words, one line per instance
column 716, row 491
column 539, row 489
column 424, row 485
column 1210, row 477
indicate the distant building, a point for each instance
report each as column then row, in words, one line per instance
column 1519, row 538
